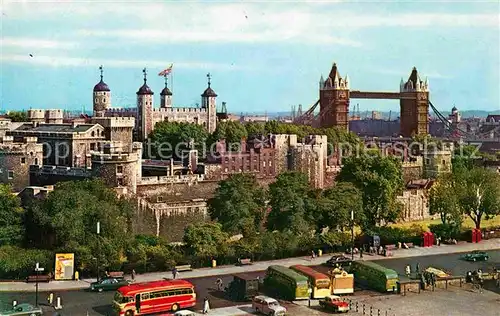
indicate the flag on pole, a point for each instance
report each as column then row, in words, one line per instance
column 166, row 71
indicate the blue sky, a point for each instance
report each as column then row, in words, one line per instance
column 261, row 56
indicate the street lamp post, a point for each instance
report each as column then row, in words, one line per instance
column 37, row 270
column 98, row 249
column 352, row 235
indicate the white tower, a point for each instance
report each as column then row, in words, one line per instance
column 209, row 102
column 144, row 109
column 101, row 97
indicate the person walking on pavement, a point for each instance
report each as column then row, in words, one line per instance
column 417, row 268
column 408, row 271
column 133, row 275
column 313, row 255
column 218, row 282
column 174, row 273
column 206, row 306
column 361, row 253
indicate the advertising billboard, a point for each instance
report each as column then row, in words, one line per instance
column 65, row 264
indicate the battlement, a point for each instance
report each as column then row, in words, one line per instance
column 180, row 110
column 172, row 179
column 61, row 171
column 121, row 110
column 54, row 114
column 8, row 146
column 115, row 121
column 101, row 157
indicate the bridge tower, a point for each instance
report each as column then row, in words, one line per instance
column 334, row 100
column 414, row 106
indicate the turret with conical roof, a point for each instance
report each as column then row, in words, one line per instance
column 166, row 96
column 101, row 97
column 144, row 109
column 414, row 83
column 209, row 102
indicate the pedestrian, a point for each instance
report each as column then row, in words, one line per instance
column 417, row 268
column 422, row 281
column 174, row 273
column 408, row 270
column 218, row 282
column 361, row 253
column 206, row 306
column 133, row 275
column 106, row 273
column 313, row 255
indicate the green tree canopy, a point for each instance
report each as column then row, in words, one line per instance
column 255, row 128
column 67, row 220
column 478, row 191
column 238, row 204
column 18, row 116
column 169, row 139
column 232, row 131
column 380, row 180
column 11, row 217
column 205, row 240
column 336, row 206
column 444, row 201
column 290, row 203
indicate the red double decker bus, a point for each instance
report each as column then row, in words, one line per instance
column 154, row 297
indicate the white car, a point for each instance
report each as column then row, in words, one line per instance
column 184, row 313
column 268, row 306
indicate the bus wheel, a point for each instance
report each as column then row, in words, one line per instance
column 129, row 313
column 175, row 307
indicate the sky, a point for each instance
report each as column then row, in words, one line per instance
column 262, row 56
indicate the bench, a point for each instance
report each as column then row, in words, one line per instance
column 40, row 278
column 244, row 262
column 116, row 274
column 390, row 247
column 185, row 267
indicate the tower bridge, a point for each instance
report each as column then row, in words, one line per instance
column 335, row 95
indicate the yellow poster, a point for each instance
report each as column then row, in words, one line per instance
column 65, row 263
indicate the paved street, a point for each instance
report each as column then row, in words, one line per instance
column 78, row 302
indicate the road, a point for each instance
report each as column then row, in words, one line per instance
column 78, row 302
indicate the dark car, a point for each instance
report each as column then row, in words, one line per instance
column 243, row 287
column 22, row 310
column 476, row 255
column 340, row 260
column 109, row 284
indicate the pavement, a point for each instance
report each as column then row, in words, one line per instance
column 491, row 244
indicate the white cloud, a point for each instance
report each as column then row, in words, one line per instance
column 6, row 42
column 64, row 61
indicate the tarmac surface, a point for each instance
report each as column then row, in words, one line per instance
column 79, row 302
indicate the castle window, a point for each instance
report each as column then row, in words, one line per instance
column 92, row 134
column 102, row 133
column 11, row 174
column 23, row 160
column 119, row 169
column 159, row 199
column 270, row 163
column 444, row 162
column 96, row 100
column 92, row 146
column 119, row 182
column 427, row 161
column 264, row 163
column 36, row 161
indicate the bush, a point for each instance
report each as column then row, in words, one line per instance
column 446, row 231
column 393, row 235
column 18, row 263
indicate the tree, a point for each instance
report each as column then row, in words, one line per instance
column 238, row 204
column 67, row 219
column 478, row 191
column 443, row 200
column 380, row 180
column 169, row 139
column 11, row 217
column 336, row 206
column 205, row 240
column 18, row 116
column 232, row 131
column 289, row 196
column 254, row 128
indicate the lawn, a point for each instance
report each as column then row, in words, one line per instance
column 468, row 223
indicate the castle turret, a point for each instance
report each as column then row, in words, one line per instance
column 321, row 82
column 334, row 101
column 209, row 102
column 144, row 109
column 101, row 97
column 166, row 96
column 414, row 106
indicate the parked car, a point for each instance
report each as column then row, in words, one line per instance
column 335, row 304
column 268, row 306
column 185, row 312
column 109, row 284
column 339, row 259
column 476, row 255
column 22, row 310
column 243, row 287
